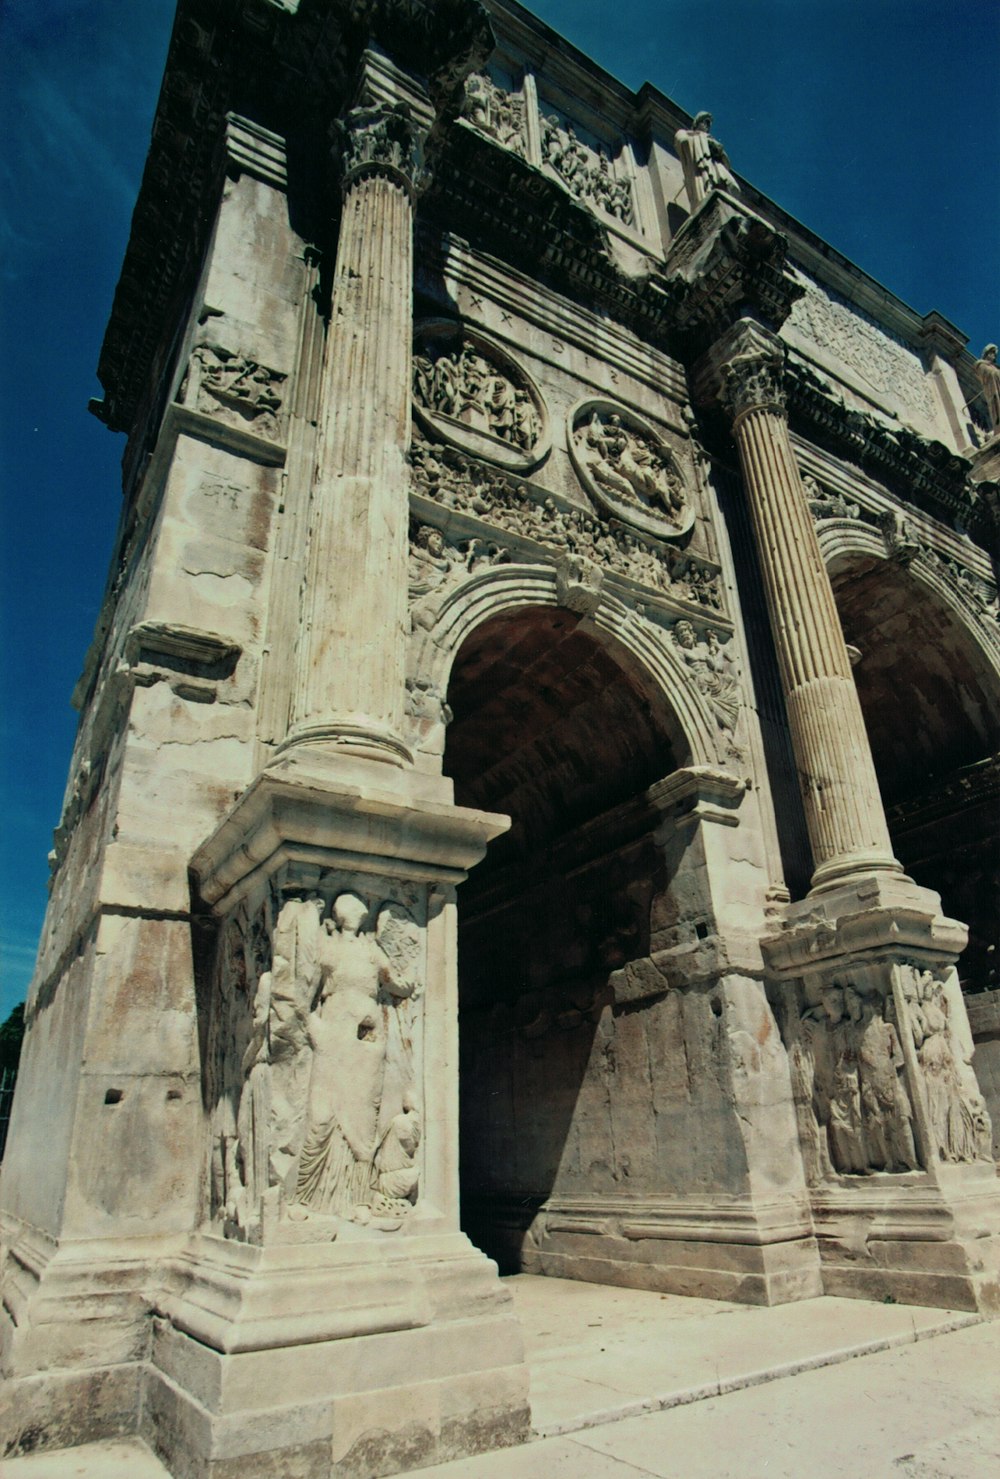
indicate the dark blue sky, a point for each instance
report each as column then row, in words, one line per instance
column 873, row 121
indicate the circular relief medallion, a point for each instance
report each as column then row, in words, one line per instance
column 469, row 392
column 628, row 469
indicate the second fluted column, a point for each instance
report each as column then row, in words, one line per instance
column 843, row 807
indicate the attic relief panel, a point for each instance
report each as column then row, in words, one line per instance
column 628, row 469
column 315, row 1116
column 467, row 391
column 496, row 113
column 880, row 361
column 588, row 173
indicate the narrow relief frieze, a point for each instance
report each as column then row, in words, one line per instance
column 469, row 393
column 312, row 1069
column 463, row 485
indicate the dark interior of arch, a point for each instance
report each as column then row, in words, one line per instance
column 551, row 729
column 934, row 728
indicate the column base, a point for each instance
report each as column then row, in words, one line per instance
column 913, row 1239
column 849, row 872
column 349, row 1360
column 727, row 1249
column 366, row 741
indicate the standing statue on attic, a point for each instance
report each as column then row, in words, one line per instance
column 988, row 375
column 704, row 161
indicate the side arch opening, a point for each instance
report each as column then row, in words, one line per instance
column 930, row 694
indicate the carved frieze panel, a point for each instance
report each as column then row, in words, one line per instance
column 957, row 1118
column 467, row 486
column 588, row 173
column 236, row 390
column 847, row 1066
column 881, row 1079
column 469, row 392
column 628, row 469
column 849, row 335
column 496, row 113
column 312, row 1065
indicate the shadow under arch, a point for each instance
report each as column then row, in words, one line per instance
column 560, row 725
column 929, row 684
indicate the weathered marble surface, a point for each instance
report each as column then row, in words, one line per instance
column 435, row 561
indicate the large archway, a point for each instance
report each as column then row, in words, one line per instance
column 553, row 727
column 930, row 693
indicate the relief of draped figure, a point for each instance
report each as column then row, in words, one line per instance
column 328, row 1124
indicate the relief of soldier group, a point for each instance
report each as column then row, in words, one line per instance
column 316, row 1118
column 848, row 1057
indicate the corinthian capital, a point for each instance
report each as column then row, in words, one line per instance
column 383, row 139
column 743, row 371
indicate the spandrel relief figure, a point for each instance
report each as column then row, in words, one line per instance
column 359, row 1067
column 988, row 375
column 434, row 564
column 958, row 1118
column 703, row 160
column 826, row 505
column 494, row 112
column 713, row 669
column 431, row 563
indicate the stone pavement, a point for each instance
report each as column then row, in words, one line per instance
column 626, row 1382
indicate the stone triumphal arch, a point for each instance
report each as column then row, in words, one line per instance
column 537, row 765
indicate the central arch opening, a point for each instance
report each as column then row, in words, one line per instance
column 553, row 726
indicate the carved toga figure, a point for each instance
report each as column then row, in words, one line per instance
column 703, row 160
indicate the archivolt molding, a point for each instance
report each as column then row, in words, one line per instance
column 964, row 595
column 646, row 649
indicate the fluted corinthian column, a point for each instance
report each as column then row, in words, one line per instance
column 843, row 807
column 349, row 686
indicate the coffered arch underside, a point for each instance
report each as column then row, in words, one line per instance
column 929, row 668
